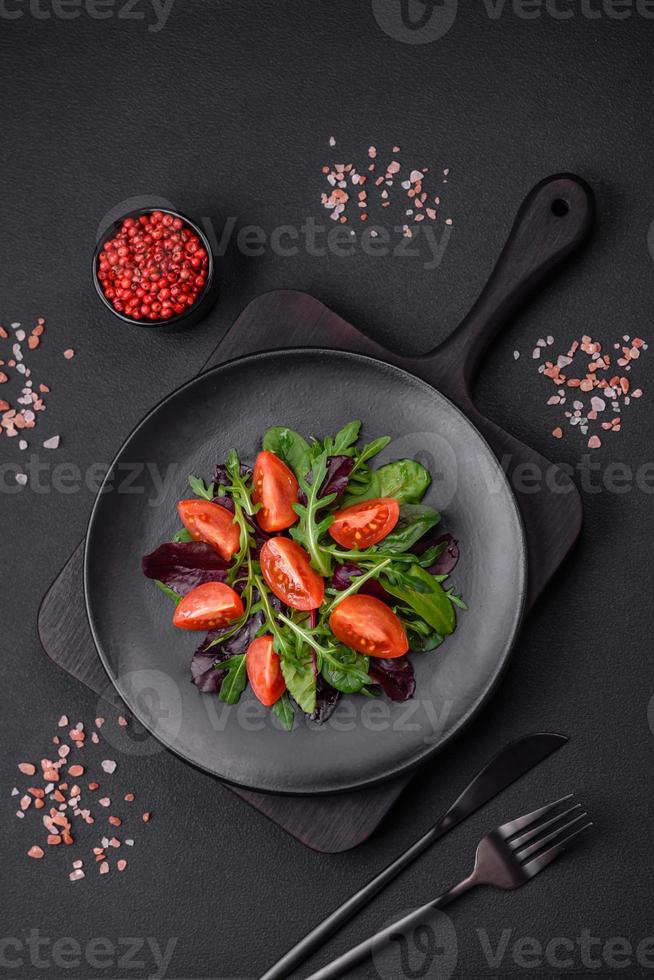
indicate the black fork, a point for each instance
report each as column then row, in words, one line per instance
column 507, row 858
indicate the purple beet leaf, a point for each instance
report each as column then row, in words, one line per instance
column 181, row 565
column 395, row 677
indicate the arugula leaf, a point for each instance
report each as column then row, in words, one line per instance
column 284, row 712
column 290, row 446
column 241, row 496
column 456, row 599
column 346, row 670
column 370, row 450
column 360, row 475
column 356, row 583
column 310, row 528
column 405, row 479
column 424, row 594
column 182, row 535
column 234, row 684
column 175, row 596
column 346, row 438
column 300, row 677
column 281, row 643
column 200, row 489
column 415, row 520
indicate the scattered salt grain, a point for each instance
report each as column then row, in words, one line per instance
column 21, row 478
column 68, row 354
column 52, row 443
column 516, row 355
column 109, row 766
column 597, row 377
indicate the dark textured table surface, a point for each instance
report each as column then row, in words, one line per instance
column 226, row 111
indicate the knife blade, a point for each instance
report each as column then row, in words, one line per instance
column 510, row 763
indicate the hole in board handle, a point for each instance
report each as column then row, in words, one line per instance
column 560, row 207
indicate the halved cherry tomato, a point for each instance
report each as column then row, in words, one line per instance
column 264, row 670
column 206, row 521
column 365, row 524
column 288, row 573
column 208, row 607
column 368, row 625
column 276, row 489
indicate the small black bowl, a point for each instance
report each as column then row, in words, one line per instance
column 203, row 303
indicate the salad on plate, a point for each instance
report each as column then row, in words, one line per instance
column 312, row 573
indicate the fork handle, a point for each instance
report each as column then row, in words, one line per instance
column 365, row 949
column 318, row 936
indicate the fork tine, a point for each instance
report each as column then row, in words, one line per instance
column 537, row 864
column 536, row 831
column 539, row 844
column 511, row 828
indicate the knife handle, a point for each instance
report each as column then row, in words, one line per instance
column 347, row 961
column 315, row 939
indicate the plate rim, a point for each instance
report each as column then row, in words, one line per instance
column 431, row 751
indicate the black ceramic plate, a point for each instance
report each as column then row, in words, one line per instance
column 364, row 741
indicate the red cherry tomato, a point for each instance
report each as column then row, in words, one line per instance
column 365, row 524
column 276, row 489
column 368, row 625
column 264, row 671
column 206, row 521
column 288, row 573
column 208, row 607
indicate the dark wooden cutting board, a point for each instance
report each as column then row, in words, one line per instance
column 552, row 519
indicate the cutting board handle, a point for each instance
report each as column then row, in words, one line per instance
column 553, row 222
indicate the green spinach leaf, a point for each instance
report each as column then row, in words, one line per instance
column 234, row 684
column 424, row 594
column 300, row 677
column 415, row 520
column 284, row 712
column 290, row 446
column 346, row 670
column 406, row 480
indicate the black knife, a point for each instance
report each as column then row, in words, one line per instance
column 513, row 761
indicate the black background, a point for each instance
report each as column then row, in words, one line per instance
column 227, row 112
